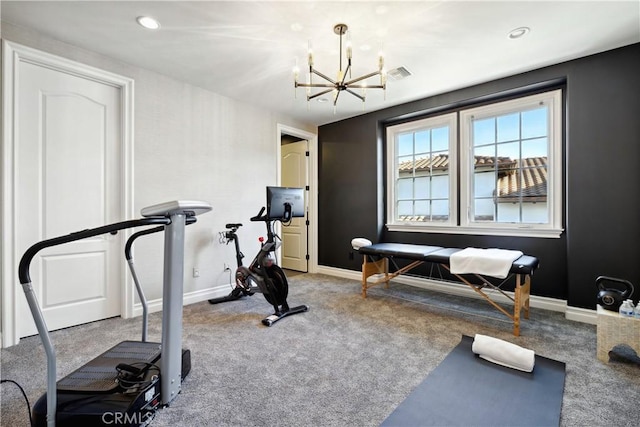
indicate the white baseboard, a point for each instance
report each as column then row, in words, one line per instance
column 545, row 303
column 582, row 315
column 189, row 298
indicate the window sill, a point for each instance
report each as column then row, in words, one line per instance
column 546, row 233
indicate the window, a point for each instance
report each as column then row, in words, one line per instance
column 422, row 182
column 508, row 159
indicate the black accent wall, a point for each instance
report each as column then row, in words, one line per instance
column 601, row 165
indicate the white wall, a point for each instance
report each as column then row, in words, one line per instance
column 191, row 144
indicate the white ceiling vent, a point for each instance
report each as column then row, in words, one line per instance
column 398, row 73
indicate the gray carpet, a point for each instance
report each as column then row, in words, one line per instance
column 346, row 362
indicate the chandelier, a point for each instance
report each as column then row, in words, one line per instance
column 341, row 83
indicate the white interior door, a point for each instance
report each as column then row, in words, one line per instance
column 68, row 178
column 294, row 164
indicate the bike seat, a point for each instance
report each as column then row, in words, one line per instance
column 238, row 225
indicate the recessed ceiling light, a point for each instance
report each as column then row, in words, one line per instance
column 518, row 32
column 148, row 22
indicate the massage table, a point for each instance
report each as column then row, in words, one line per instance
column 376, row 263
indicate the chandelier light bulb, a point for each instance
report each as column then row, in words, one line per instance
column 310, row 54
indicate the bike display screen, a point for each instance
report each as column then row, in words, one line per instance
column 284, row 203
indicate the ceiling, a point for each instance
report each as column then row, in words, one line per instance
column 246, row 50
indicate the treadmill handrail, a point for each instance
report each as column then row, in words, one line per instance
column 129, row 257
column 25, row 261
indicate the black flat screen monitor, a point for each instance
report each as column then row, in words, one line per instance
column 284, row 203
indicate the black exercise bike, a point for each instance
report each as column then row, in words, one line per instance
column 263, row 274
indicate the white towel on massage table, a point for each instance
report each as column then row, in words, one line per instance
column 489, row 262
column 503, row 353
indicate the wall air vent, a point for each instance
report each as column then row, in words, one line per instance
column 398, row 73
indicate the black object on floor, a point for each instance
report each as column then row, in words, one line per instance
column 466, row 390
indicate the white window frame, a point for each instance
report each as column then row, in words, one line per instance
column 552, row 229
column 450, row 120
column 460, row 146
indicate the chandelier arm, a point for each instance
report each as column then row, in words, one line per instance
column 310, row 97
column 318, row 73
column 355, row 94
column 367, row 86
column 344, row 76
column 316, row 85
column 366, row 76
column 335, row 99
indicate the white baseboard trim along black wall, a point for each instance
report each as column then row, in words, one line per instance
column 552, row 304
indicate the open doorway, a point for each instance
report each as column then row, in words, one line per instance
column 294, row 167
column 295, row 170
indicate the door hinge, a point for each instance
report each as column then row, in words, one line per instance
column 306, row 153
column 306, row 222
column 307, row 257
column 306, row 188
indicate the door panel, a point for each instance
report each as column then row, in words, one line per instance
column 74, row 158
column 68, row 156
column 294, row 237
column 77, row 288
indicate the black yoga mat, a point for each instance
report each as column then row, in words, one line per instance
column 465, row 390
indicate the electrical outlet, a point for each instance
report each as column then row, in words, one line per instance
column 196, row 272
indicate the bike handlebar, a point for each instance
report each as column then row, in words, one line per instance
column 259, row 217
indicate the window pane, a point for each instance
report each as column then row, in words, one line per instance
column 509, row 127
column 484, row 209
column 535, row 148
column 440, row 163
column 510, row 150
column 405, row 166
column 405, row 208
column 484, row 131
column 405, row 189
column 440, row 139
column 509, row 212
column 484, row 184
column 440, row 210
column 486, row 151
column 422, row 186
column 534, row 123
column 422, row 209
column 535, row 213
column 405, row 144
column 422, row 142
column 440, row 187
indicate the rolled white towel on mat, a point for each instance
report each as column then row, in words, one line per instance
column 359, row 242
column 503, row 353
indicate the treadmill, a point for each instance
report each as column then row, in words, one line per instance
column 128, row 383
